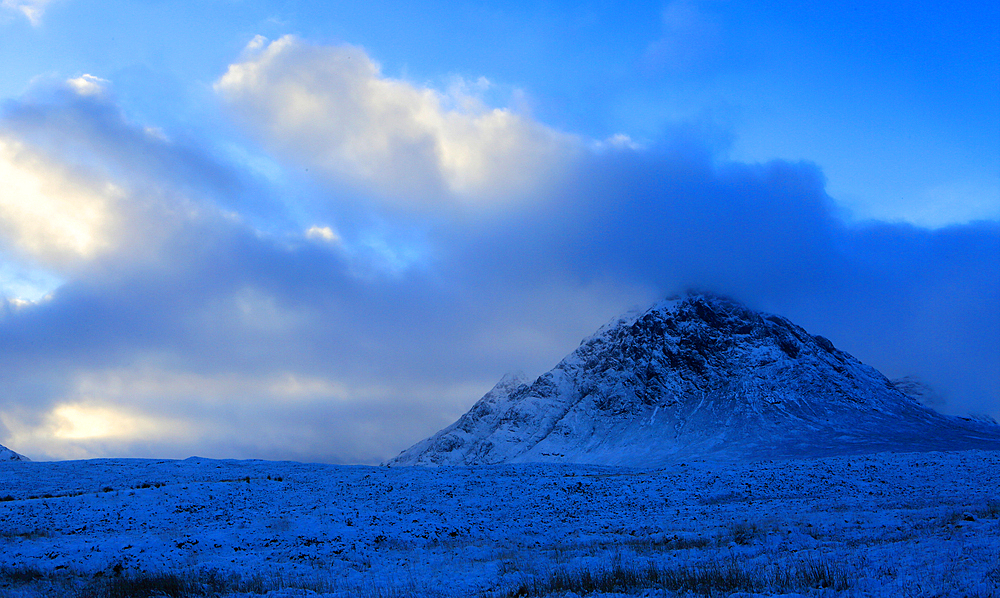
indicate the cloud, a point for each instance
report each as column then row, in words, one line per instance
column 331, row 109
column 123, row 406
column 252, row 327
column 281, row 350
column 324, row 233
column 52, row 213
column 957, row 201
column 85, row 186
column 619, row 141
column 905, row 299
column 691, row 39
column 88, row 85
column 32, row 9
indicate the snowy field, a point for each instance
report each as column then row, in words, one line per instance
column 917, row 524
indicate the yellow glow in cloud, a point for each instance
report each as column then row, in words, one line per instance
column 332, row 109
column 108, row 413
column 78, row 422
column 82, row 429
column 18, row 303
column 52, row 214
column 113, row 408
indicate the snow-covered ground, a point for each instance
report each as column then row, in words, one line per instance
column 914, row 524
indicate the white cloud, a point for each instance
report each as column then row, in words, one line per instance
column 32, row 9
column 331, row 108
column 258, row 42
column 88, row 85
column 323, row 233
column 53, row 214
column 80, row 183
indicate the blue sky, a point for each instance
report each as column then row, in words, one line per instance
column 334, row 226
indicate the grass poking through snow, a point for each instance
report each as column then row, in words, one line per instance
column 707, row 580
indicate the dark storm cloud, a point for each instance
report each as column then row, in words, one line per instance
column 908, row 300
column 673, row 217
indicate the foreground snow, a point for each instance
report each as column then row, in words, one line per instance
column 917, row 524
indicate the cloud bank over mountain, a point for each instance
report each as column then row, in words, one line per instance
column 367, row 256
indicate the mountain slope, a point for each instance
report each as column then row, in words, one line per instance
column 698, row 376
column 8, row 455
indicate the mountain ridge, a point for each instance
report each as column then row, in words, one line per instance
column 695, row 376
column 8, row 455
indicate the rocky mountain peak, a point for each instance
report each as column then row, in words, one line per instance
column 697, row 375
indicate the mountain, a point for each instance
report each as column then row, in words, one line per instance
column 697, row 376
column 8, row 455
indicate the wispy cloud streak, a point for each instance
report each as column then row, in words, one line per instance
column 31, row 9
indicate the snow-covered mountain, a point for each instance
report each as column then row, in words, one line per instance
column 8, row 455
column 698, row 376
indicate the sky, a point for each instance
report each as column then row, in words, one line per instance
column 321, row 231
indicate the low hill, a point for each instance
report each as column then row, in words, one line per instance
column 8, row 455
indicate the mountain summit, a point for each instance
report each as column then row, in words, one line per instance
column 698, row 376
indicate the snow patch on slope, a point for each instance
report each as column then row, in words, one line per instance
column 8, row 455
